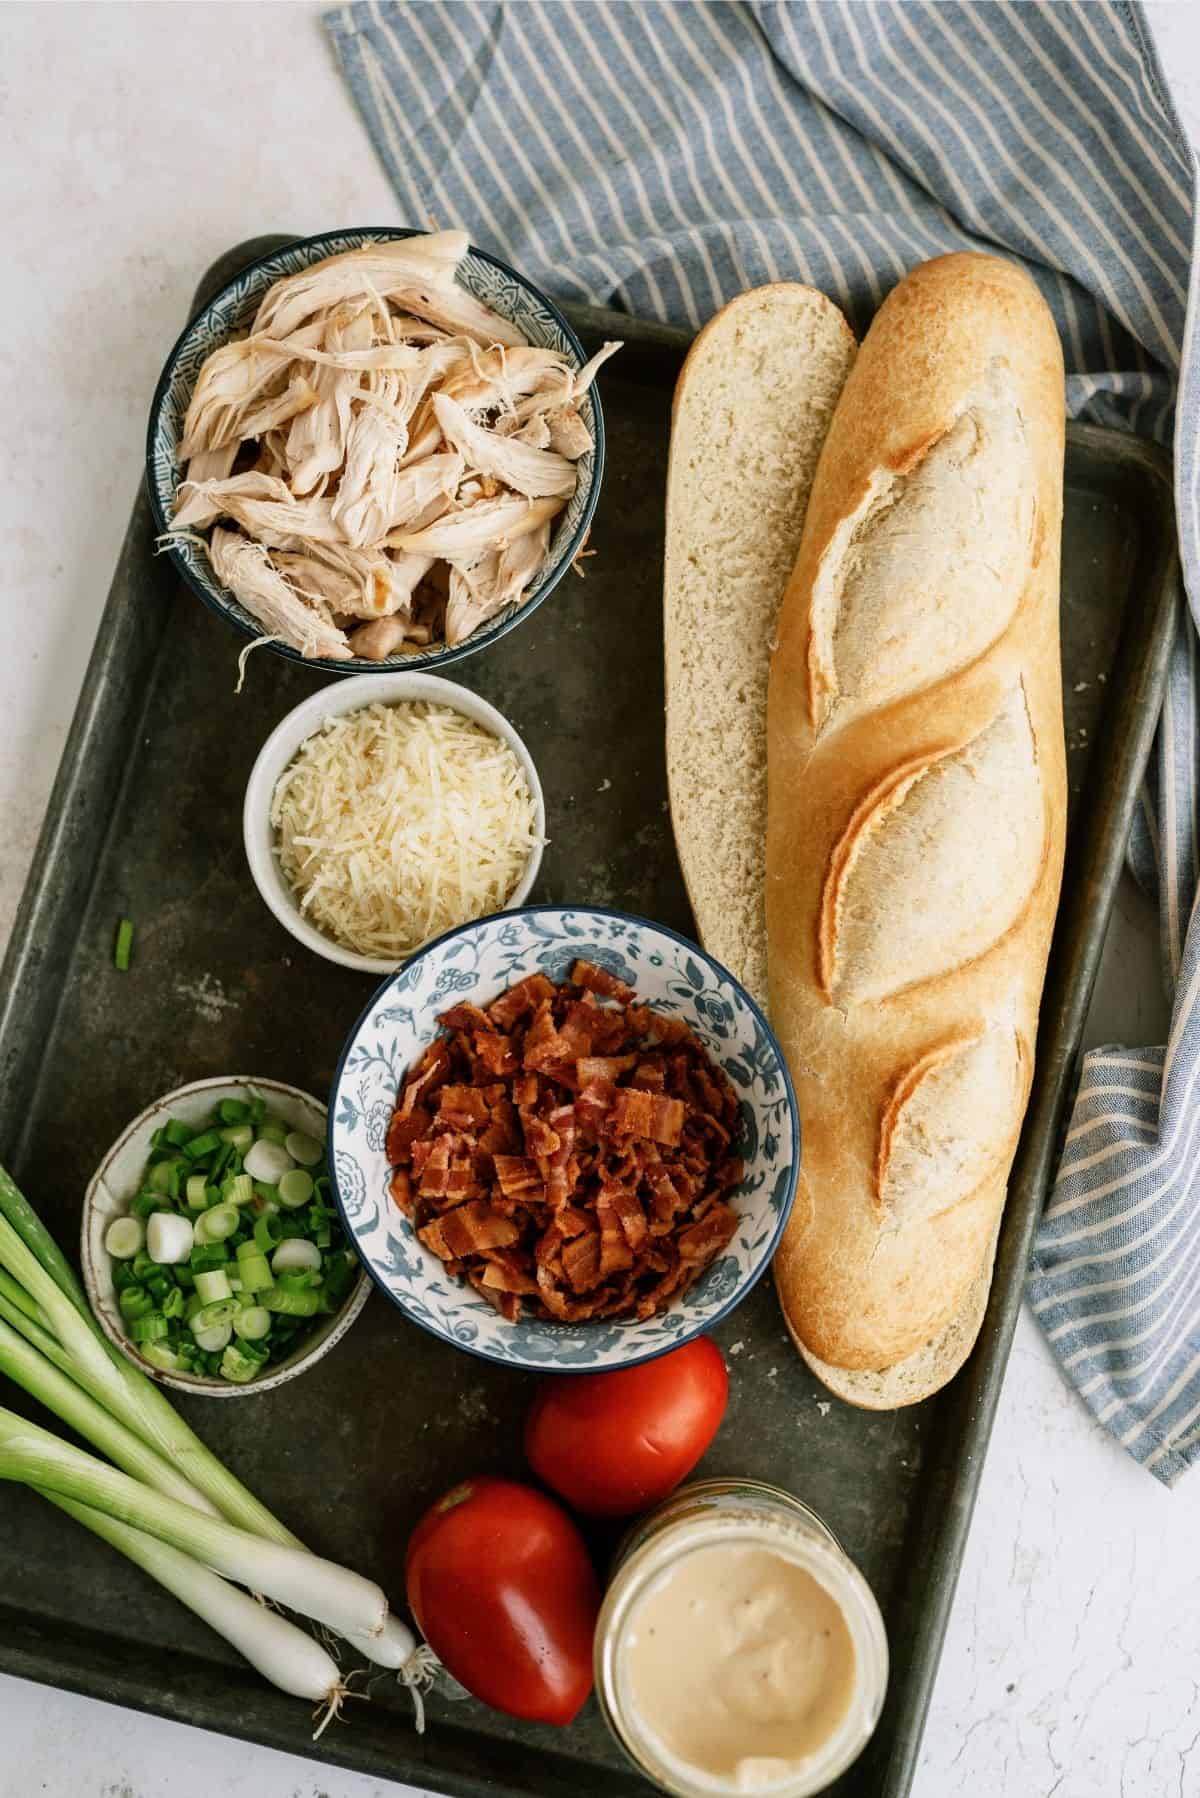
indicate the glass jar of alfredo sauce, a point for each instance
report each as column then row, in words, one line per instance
column 739, row 1649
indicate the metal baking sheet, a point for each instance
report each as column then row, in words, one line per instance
column 145, row 822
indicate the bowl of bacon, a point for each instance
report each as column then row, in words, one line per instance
column 564, row 1138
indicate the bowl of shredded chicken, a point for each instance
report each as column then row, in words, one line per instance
column 376, row 447
column 381, row 814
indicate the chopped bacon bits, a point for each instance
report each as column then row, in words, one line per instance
column 567, row 1150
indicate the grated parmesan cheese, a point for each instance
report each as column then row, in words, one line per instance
column 395, row 823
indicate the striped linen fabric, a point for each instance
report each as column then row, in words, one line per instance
column 661, row 157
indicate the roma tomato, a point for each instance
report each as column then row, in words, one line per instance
column 615, row 1443
column 501, row 1584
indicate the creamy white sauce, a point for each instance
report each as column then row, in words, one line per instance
column 740, row 1663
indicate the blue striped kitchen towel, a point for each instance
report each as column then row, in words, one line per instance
column 660, row 157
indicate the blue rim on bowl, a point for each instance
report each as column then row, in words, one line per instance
column 494, row 281
column 400, row 1020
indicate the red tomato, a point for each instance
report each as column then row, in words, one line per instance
column 615, row 1443
column 500, row 1581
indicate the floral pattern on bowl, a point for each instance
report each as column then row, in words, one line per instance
column 231, row 313
column 476, row 964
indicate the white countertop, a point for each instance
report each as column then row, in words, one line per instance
column 149, row 138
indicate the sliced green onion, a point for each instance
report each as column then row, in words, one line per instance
column 303, row 1148
column 197, row 1191
column 298, row 1279
column 159, row 1177
column 213, row 1340
column 292, row 1304
column 134, row 1302
column 254, row 1271
column 341, row 1271
column 223, row 1311
column 124, row 1237
column 220, row 1162
column 169, row 1239
column 213, row 1285
column 219, row 1223
column 267, row 1161
column 272, row 1129
column 268, row 1233
column 206, row 1255
column 296, row 1256
column 238, row 1189
column 252, row 1323
column 123, row 947
column 152, row 1327
column 239, row 1137
column 202, row 1145
column 172, row 1304
column 123, row 1275
column 295, row 1189
column 233, row 1111
column 237, row 1367
column 148, row 1202
column 177, row 1133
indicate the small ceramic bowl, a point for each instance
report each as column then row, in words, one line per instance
column 281, row 748
column 475, row 965
column 114, row 1186
column 231, row 314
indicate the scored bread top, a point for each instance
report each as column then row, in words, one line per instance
column 917, row 804
column 752, row 408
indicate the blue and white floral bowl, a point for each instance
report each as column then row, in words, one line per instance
column 476, row 964
column 231, row 313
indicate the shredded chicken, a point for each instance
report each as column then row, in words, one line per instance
column 536, row 473
column 376, row 642
column 383, row 455
column 245, row 568
column 567, row 432
column 462, row 537
column 483, row 588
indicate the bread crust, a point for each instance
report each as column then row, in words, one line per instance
column 860, row 1291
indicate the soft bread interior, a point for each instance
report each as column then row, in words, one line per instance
column 752, row 409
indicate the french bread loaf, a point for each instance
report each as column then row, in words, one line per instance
column 916, row 817
column 752, row 407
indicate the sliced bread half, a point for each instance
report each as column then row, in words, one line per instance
column 752, row 408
